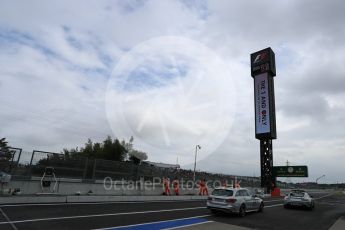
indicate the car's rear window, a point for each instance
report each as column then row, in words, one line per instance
column 294, row 194
column 222, row 192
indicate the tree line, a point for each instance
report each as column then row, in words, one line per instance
column 5, row 152
column 5, row 155
column 109, row 149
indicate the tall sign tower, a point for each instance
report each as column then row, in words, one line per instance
column 263, row 70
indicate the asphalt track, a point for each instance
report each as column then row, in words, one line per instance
column 169, row 215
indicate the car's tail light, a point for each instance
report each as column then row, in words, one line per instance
column 231, row 200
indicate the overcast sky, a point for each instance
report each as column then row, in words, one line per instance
column 174, row 74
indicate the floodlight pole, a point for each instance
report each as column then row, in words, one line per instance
column 319, row 178
column 195, row 155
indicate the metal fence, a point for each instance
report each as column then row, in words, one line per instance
column 26, row 165
column 64, row 166
column 13, row 161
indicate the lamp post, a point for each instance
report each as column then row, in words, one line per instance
column 196, row 152
column 319, row 178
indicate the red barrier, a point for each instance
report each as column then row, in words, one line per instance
column 275, row 192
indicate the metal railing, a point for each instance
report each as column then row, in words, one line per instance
column 26, row 165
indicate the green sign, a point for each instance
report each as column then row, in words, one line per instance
column 290, row 171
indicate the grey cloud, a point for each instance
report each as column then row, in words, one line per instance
column 325, row 80
column 307, row 36
column 304, row 105
column 282, row 20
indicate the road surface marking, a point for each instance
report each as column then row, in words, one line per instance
column 269, row 201
column 157, row 222
column 95, row 203
column 8, row 219
column 166, row 224
column 111, row 202
column 189, row 225
column 186, row 218
column 323, row 196
column 110, row 214
column 274, row 205
column 100, row 215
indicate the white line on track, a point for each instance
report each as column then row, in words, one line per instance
column 274, row 205
column 155, row 222
column 118, row 214
column 100, row 215
column 96, row 203
column 269, row 201
column 108, row 214
column 324, row 196
column 8, row 220
column 111, row 202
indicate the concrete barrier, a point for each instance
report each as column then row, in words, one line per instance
column 72, row 187
column 86, row 199
column 91, row 199
column 32, row 199
column 96, row 191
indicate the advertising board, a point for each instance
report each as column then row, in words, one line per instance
column 290, row 171
column 262, row 110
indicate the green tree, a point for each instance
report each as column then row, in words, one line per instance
column 119, row 151
column 97, row 150
column 128, row 146
column 136, row 155
column 109, row 149
column 113, row 150
column 5, row 152
column 87, row 151
column 5, row 155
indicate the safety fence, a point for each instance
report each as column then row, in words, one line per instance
column 7, row 164
column 32, row 164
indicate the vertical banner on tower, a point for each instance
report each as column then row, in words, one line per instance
column 262, row 107
column 263, row 70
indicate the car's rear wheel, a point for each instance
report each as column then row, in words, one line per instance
column 311, row 207
column 215, row 212
column 261, row 208
column 242, row 211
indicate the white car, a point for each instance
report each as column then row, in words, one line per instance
column 233, row 200
column 299, row 198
